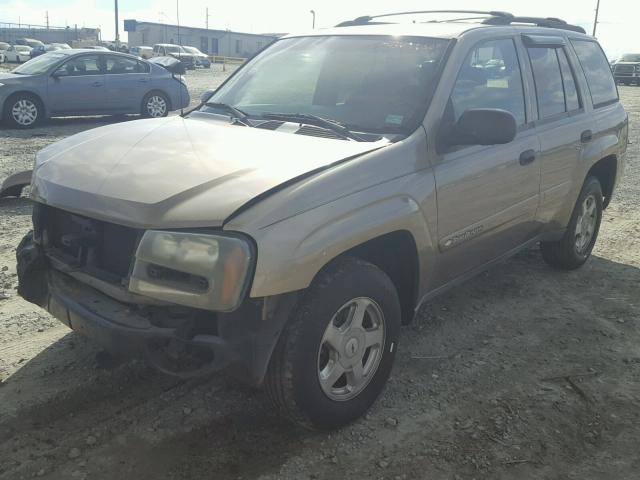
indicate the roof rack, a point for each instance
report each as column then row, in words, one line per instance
column 367, row 19
column 493, row 18
column 549, row 22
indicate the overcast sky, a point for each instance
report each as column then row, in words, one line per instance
column 618, row 31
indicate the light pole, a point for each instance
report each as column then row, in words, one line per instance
column 117, row 31
column 313, row 22
column 595, row 22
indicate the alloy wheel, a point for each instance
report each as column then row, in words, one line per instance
column 351, row 349
column 586, row 224
column 24, row 112
column 156, row 106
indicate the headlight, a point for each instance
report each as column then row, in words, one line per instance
column 1, row 84
column 637, row 68
column 198, row 270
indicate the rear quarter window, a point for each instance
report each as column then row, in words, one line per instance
column 596, row 68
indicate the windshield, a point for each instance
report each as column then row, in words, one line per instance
column 192, row 50
column 375, row 84
column 22, row 48
column 631, row 57
column 39, row 64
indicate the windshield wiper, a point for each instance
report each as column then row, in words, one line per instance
column 237, row 114
column 326, row 123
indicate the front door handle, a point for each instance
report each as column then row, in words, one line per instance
column 96, row 84
column 586, row 136
column 527, row 157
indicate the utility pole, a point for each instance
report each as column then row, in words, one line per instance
column 47, row 18
column 207, row 22
column 595, row 22
column 313, row 22
column 117, row 31
column 178, row 22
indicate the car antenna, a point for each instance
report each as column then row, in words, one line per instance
column 179, row 43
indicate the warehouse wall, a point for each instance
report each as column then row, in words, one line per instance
column 58, row 35
column 230, row 44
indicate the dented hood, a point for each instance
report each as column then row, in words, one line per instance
column 176, row 172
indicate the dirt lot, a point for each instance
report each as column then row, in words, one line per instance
column 521, row 373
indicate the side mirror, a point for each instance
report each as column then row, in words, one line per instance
column 206, row 96
column 483, row 126
column 59, row 73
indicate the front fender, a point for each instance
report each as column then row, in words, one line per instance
column 302, row 227
column 293, row 251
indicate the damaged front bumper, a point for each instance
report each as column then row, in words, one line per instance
column 178, row 341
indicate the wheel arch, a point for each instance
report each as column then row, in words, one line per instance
column 605, row 170
column 37, row 96
column 396, row 254
column 157, row 90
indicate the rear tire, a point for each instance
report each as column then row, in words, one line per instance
column 578, row 241
column 23, row 110
column 336, row 353
column 155, row 105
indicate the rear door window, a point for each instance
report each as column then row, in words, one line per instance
column 548, row 81
column 596, row 69
column 569, row 82
column 119, row 65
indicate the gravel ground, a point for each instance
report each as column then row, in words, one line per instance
column 523, row 373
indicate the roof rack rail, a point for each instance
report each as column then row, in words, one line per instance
column 367, row 19
column 549, row 22
column 493, row 18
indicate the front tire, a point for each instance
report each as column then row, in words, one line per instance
column 578, row 241
column 155, row 105
column 335, row 355
column 23, row 111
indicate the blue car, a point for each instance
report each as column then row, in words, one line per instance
column 79, row 82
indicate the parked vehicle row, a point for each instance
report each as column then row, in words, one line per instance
column 26, row 48
column 88, row 82
column 201, row 59
column 191, row 57
column 142, row 51
column 52, row 47
column 288, row 227
column 17, row 53
column 29, row 42
column 175, row 51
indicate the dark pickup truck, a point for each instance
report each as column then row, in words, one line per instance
column 627, row 69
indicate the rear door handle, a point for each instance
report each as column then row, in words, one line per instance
column 586, row 136
column 527, row 157
column 143, row 80
column 96, row 84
